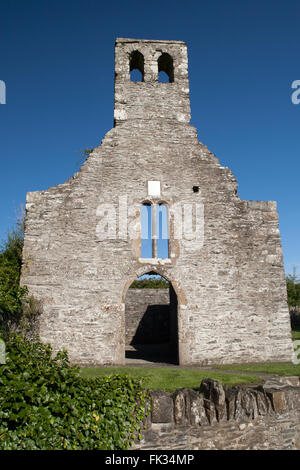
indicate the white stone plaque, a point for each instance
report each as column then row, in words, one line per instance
column 153, row 188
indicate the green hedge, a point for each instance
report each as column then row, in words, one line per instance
column 150, row 284
column 45, row 404
column 11, row 294
column 293, row 290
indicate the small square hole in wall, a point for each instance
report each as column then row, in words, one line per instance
column 153, row 188
column 196, row 189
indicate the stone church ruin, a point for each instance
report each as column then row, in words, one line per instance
column 153, row 199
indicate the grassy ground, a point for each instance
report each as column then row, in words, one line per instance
column 296, row 334
column 170, row 379
column 278, row 368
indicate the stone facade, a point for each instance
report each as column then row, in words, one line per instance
column 228, row 278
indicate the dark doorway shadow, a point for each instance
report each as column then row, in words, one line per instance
column 154, row 327
column 163, row 353
column 155, row 337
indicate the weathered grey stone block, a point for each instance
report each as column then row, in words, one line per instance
column 162, row 407
column 214, row 395
column 197, row 411
column 262, row 403
column 249, row 403
column 182, row 407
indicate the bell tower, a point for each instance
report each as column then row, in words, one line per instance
column 148, row 99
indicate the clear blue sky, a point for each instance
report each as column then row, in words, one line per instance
column 57, row 60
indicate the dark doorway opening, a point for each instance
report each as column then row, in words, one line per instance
column 151, row 324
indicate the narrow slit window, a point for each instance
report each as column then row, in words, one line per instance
column 154, row 231
column 146, row 231
column 162, row 231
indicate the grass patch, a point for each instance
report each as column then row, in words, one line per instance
column 168, row 378
column 296, row 334
column 278, row 368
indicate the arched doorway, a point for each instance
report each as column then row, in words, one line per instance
column 151, row 321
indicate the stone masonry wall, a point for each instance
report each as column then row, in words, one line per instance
column 147, row 316
column 244, row 418
column 79, row 260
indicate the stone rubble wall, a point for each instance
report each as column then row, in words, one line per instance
column 147, row 316
column 217, row 417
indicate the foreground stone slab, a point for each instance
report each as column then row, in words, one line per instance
column 162, row 408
